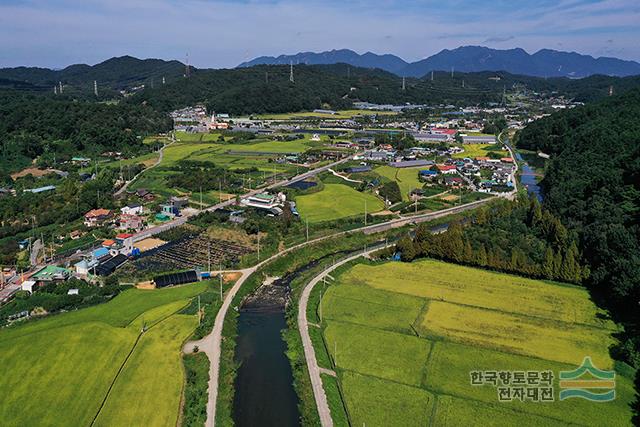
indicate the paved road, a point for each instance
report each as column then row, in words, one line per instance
column 211, row 344
column 183, row 219
column 309, row 352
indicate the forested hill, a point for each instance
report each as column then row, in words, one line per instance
column 267, row 88
column 35, row 126
column 593, row 184
column 115, row 73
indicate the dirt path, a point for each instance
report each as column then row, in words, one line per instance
column 309, row 352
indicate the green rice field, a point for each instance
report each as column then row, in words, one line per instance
column 404, row 337
column 480, row 150
column 336, row 201
column 407, row 178
column 58, row 370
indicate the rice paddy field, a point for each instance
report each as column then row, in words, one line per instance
column 336, row 201
column 209, row 148
column 407, row 178
column 404, row 337
column 480, row 150
column 58, row 370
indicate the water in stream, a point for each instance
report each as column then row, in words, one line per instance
column 264, row 393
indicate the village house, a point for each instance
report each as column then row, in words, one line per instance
column 97, row 217
column 447, row 169
column 130, row 222
column 132, row 209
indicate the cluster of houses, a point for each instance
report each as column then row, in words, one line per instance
column 195, row 119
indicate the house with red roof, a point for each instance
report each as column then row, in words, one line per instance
column 446, row 169
column 97, row 217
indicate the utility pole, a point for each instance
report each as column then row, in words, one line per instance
column 365, row 212
column 220, row 281
column 199, row 313
column 258, row 243
column 95, row 88
column 291, row 73
column 209, row 256
column 307, row 222
column 201, row 197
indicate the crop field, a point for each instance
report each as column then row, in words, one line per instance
column 259, row 154
column 57, row 370
column 404, row 337
column 336, row 201
column 407, row 178
column 480, row 150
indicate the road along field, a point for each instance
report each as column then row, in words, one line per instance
column 259, row 154
column 336, row 201
column 94, row 363
column 404, row 338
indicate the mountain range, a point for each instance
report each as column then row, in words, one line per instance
column 544, row 63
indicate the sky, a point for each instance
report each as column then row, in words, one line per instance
column 224, row 33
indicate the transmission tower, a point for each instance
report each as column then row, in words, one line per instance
column 187, row 71
column 291, row 73
column 60, row 85
column 95, row 88
column 431, row 75
column 403, row 83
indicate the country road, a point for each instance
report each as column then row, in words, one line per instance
column 183, row 219
column 309, row 352
column 211, row 344
column 126, row 184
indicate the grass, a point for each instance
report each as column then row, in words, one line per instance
column 480, row 150
column 334, row 399
column 550, row 340
column 471, row 286
column 58, row 370
column 196, row 394
column 448, row 373
column 403, row 405
column 388, row 355
column 336, row 201
column 451, row 411
column 371, row 307
column 407, row 178
column 410, row 333
column 149, row 388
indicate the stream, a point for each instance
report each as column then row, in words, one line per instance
column 264, row 393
